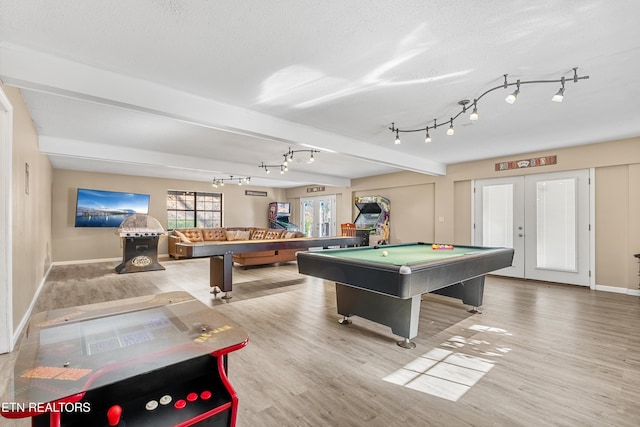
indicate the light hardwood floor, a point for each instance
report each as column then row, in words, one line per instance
column 539, row 354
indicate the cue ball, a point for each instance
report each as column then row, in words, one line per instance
column 385, row 253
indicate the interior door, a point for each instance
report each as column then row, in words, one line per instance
column 317, row 216
column 557, row 235
column 544, row 217
column 499, row 213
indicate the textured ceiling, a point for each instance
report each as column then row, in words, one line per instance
column 197, row 89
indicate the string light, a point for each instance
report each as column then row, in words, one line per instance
column 511, row 98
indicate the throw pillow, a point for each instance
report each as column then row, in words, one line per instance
column 181, row 236
column 243, row 235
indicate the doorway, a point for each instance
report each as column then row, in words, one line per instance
column 318, row 216
column 545, row 218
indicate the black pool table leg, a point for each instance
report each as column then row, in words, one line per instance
column 345, row 320
column 401, row 315
column 471, row 292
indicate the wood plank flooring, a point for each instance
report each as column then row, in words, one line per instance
column 539, row 354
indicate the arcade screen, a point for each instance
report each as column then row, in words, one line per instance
column 100, row 335
column 367, row 220
column 284, row 208
column 100, row 208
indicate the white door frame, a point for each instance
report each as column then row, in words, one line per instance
column 6, row 272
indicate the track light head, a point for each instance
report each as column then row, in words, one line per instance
column 559, row 96
column 451, row 130
column 427, row 137
column 474, row 114
column 514, row 96
column 397, row 141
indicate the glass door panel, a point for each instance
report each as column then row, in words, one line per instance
column 497, row 215
column 556, row 230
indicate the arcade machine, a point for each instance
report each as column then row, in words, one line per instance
column 279, row 213
column 157, row 360
column 140, row 234
column 372, row 222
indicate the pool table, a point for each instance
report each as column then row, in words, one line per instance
column 387, row 288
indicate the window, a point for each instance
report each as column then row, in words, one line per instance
column 187, row 209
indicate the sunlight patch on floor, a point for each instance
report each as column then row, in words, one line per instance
column 449, row 372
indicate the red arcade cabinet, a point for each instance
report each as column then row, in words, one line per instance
column 157, row 360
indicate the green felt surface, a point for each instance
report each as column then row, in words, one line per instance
column 402, row 255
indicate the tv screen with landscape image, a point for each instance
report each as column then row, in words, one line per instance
column 100, row 208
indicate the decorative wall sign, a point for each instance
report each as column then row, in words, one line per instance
column 314, row 189
column 255, row 193
column 526, row 163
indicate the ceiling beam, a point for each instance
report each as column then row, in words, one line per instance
column 35, row 70
column 97, row 151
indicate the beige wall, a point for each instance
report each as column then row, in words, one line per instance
column 31, row 215
column 72, row 244
column 432, row 208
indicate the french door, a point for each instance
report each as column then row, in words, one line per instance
column 317, row 216
column 544, row 217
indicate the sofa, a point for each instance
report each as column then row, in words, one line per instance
column 237, row 234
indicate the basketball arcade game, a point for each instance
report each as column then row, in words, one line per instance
column 158, row 360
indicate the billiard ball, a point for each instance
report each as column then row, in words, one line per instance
column 385, row 253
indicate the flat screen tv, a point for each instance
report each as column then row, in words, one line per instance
column 100, row 208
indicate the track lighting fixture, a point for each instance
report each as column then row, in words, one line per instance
column 514, row 96
column 219, row 182
column 451, row 130
column 474, row 113
column 288, row 158
column 558, row 97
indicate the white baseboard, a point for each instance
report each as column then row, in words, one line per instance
column 27, row 315
column 89, row 261
column 86, row 261
column 618, row 290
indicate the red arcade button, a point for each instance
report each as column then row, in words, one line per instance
column 205, row 395
column 180, row 404
column 192, row 397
